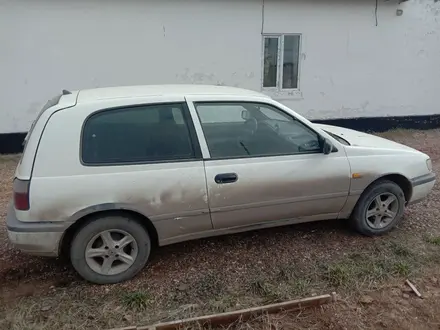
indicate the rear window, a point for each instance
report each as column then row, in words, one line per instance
column 148, row 133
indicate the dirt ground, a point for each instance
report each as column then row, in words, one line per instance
column 244, row 270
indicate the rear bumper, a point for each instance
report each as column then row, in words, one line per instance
column 421, row 187
column 39, row 244
column 36, row 238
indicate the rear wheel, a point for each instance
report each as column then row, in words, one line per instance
column 110, row 249
column 379, row 209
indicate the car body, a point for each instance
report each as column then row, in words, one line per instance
column 181, row 162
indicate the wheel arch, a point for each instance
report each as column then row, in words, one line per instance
column 403, row 182
column 357, row 218
column 83, row 217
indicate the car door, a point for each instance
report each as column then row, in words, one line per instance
column 264, row 165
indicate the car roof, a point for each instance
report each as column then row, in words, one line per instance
column 96, row 94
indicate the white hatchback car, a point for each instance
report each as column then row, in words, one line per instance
column 109, row 173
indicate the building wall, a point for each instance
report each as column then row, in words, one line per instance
column 349, row 66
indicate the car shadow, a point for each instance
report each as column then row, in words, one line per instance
column 61, row 273
column 311, row 230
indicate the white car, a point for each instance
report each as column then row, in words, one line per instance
column 109, row 173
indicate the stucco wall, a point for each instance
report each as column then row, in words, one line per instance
column 349, row 66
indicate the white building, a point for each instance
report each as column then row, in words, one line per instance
column 327, row 59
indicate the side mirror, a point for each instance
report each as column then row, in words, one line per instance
column 327, row 147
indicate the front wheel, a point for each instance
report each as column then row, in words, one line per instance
column 379, row 209
column 110, row 249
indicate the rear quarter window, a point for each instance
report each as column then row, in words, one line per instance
column 141, row 134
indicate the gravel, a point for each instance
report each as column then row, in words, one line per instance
column 211, row 270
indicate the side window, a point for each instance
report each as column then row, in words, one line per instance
column 208, row 113
column 275, row 115
column 178, row 116
column 147, row 133
column 262, row 131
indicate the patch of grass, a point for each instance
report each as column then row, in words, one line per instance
column 400, row 249
column 262, row 288
column 356, row 256
column 374, row 271
column 259, row 287
column 370, row 268
column 340, row 273
column 294, row 282
column 402, row 268
column 224, row 303
column 136, row 300
column 300, row 286
column 434, row 240
column 286, row 272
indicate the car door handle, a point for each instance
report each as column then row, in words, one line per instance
column 226, row 178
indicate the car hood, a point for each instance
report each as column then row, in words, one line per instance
column 360, row 139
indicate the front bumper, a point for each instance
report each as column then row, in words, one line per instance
column 36, row 238
column 421, row 187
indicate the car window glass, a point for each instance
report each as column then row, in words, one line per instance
column 178, row 116
column 209, row 113
column 262, row 131
column 137, row 134
column 147, row 115
column 269, row 113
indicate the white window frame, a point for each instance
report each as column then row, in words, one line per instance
column 279, row 90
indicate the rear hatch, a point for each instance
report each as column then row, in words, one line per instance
column 23, row 171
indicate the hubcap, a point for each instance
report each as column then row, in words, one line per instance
column 382, row 210
column 111, row 252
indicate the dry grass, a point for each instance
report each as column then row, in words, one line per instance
column 136, row 300
column 434, row 240
column 244, row 270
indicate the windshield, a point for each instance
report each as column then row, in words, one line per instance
column 338, row 138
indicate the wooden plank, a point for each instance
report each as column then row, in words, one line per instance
column 413, row 287
column 244, row 314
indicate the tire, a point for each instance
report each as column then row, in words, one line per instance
column 95, row 232
column 368, row 202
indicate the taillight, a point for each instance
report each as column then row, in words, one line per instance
column 21, row 194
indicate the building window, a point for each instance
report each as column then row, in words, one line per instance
column 281, row 61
